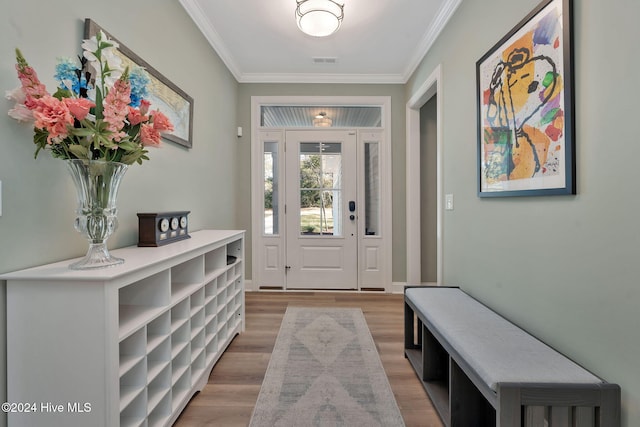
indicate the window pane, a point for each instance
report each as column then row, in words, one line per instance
column 271, row 210
column 310, row 208
column 310, row 171
column 332, row 168
column 320, row 189
column 372, row 189
column 309, row 148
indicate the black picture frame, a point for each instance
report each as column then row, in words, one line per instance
column 525, row 107
column 180, row 107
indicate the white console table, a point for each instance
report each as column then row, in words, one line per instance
column 127, row 345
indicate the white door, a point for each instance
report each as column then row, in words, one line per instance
column 321, row 210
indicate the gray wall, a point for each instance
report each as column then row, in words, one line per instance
column 564, row 268
column 396, row 92
column 38, row 199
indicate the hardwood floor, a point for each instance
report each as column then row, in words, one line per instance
column 229, row 397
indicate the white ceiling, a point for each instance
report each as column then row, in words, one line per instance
column 380, row 41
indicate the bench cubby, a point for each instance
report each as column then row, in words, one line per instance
column 479, row 369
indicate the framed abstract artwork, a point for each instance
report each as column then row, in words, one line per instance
column 526, row 144
column 162, row 93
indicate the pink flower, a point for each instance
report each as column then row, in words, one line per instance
column 79, row 107
column 31, row 85
column 144, row 106
column 136, row 117
column 30, row 82
column 161, row 123
column 52, row 115
column 149, row 136
column 115, row 107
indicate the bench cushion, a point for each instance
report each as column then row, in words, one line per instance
column 496, row 349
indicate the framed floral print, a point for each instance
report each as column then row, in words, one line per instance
column 162, row 93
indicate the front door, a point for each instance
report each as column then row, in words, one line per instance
column 321, row 211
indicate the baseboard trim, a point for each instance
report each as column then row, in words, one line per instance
column 394, row 288
column 397, row 287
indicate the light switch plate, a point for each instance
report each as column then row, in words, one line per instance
column 448, row 202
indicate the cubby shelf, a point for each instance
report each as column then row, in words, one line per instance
column 142, row 337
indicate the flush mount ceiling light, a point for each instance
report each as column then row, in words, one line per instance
column 319, row 18
column 322, row 121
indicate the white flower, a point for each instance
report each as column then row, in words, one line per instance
column 21, row 113
column 113, row 62
column 104, row 62
column 17, row 95
column 110, row 57
column 91, row 45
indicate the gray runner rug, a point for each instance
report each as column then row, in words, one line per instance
column 325, row 371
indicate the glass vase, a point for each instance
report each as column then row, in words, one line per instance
column 96, row 184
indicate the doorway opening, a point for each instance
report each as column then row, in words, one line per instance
column 431, row 88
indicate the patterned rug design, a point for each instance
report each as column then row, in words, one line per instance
column 325, row 371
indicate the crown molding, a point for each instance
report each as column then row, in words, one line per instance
column 441, row 19
column 322, row 78
column 206, row 27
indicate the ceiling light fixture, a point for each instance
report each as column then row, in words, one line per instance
column 322, row 121
column 319, row 18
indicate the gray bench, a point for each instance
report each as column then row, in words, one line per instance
column 479, row 369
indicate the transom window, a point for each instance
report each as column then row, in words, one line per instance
column 293, row 116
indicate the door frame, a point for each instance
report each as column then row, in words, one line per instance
column 258, row 239
column 431, row 87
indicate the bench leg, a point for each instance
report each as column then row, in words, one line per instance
column 409, row 335
column 610, row 405
column 509, row 407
